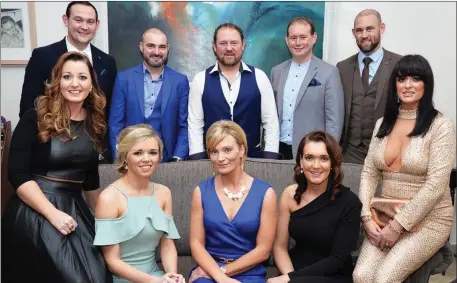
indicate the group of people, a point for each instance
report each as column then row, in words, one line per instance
column 403, row 142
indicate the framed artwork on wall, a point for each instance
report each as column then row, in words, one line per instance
column 18, row 32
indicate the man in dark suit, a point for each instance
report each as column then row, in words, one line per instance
column 81, row 19
column 154, row 94
column 365, row 76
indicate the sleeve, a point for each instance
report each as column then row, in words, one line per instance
column 172, row 231
column 370, row 174
column 22, row 147
column 182, row 145
column 116, row 120
column 34, row 79
column 441, row 160
column 345, row 241
column 334, row 105
column 270, row 121
column 92, row 181
column 196, row 115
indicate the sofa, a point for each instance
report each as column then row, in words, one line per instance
column 183, row 177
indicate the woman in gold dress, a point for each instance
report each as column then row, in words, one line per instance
column 411, row 154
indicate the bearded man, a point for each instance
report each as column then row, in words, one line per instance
column 233, row 90
column 155, row 94
column 364, row 77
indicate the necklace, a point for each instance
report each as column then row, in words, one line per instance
column 236, row 196
column 407, row 114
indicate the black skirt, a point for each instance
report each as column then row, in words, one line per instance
column 33, row 250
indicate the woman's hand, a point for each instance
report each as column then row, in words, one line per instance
column 63, row 222
column 387, row 238
column 280, row 279
column 177, row 278
column 372, row 230
column 198, row 273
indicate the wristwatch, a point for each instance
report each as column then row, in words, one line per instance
column 223, row 269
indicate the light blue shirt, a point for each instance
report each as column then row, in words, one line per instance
column 151, row 91
column 294, row 81
column 374, row 65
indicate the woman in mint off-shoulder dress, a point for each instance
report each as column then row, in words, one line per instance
column 133, row 215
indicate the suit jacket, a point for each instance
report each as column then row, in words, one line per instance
column 318, row 107
column 347, row 69
column 127, row 108
column 43, row 60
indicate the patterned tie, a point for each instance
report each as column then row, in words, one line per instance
column 366, row 72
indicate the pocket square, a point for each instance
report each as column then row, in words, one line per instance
column 314, row 82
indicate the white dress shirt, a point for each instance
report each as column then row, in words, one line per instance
column 269, row 114
column 87, row 51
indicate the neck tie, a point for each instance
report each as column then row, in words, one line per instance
column 366, row 72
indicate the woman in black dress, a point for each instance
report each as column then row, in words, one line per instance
column 320, row 214
column 47, row 227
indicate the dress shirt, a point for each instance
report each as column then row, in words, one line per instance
column 374, row 65
column 87, row 51
column 268, row 107
column 297, row 73
column 151, row 91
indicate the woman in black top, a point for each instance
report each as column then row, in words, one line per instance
column 47, row 227
column 320, row 214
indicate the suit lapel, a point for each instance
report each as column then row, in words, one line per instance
column 282, row 84
column 96, row 61
column 167, row 84
column 139, row 85
column 383, row 76
column 348, row 83
column 312, row 70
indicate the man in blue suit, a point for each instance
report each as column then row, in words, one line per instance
column 155, row 94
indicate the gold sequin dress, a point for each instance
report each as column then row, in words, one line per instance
column 424, row 179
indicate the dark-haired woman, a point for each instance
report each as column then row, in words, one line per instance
column 47, row 228
column 412, row 153
column 320, row 214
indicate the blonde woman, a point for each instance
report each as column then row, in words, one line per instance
column 134, row 215
column 233, row 215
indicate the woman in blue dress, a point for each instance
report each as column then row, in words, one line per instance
column 233, row 216
column 133, row 215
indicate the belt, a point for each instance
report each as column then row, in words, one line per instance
column 223, row 260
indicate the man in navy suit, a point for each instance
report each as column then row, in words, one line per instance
column 81, row 19
column 154, row 94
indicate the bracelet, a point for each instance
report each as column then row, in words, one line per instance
column 392, row 227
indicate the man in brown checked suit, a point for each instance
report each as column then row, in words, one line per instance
column 365, row 76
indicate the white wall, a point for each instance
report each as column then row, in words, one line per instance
column 424, row 28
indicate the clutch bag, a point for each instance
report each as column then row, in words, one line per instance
column 383, row 210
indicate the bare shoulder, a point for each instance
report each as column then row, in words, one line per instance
column 162, row 192
column 109, row 196
column 289, row 192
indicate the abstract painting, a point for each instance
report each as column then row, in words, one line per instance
column 190, row 27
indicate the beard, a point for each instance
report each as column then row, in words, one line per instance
column 155, row 64
column 228, row 62
column 374, row 44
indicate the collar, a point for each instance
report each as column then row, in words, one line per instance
column 375, row 56
column 297, row 65
column 146, row 71
column 87, row 51
column 243, row 67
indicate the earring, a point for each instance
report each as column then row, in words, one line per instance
column 301, row 170
column 126, row 167
column 242, row 164
column 398, row 99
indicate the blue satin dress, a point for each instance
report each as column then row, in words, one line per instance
column 233, row 239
